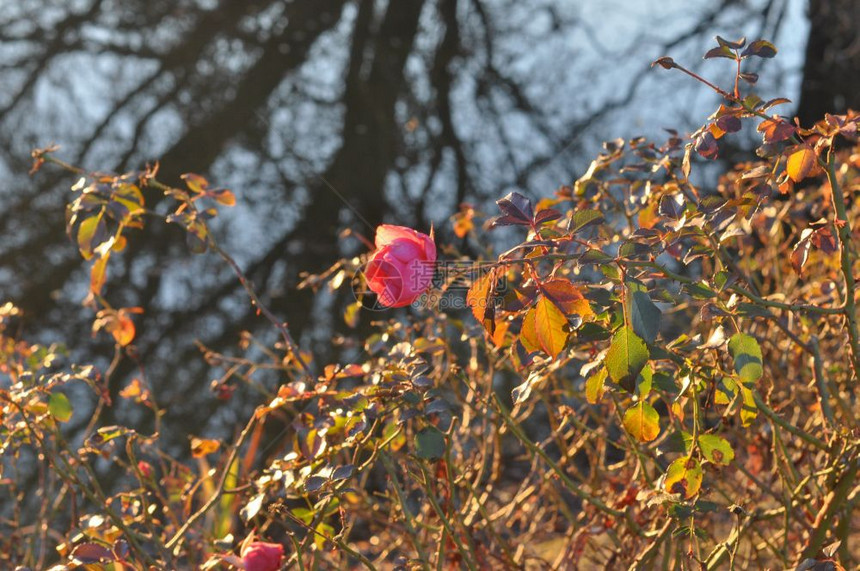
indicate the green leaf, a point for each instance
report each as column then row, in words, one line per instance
column 641, row 312
column 678, row 442
column 584, row 218
column 594, row 386
column 716, row 449
column 549, row 327
column 644, row 381
column 684, row 477
column 60, row 407
column 642, row 422
column 594, row 256
column 699, row 291
column 430, row 443
column 626, row 356
column 747, row 356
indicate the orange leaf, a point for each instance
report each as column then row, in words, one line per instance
column 480, row 299
column 122, row 328
column 801, row 164
column 226, row 197
column 201, row 447
column 528, row 333
column 463, row 221
column 195, row 182
column 500, row 332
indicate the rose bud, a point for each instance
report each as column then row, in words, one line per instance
column 401, row 267
column 262, row 556
column 145, row 469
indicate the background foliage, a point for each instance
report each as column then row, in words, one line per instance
column 657, row 373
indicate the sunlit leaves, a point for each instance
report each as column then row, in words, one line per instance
column 463, row 221
column 224, row 197
column 98, row 275
column 716, row 449
column 91, row 232
column 582, row 219
column 684, row 477
column 550, row 325
column 749, row 408
column 800, row 252
column 706, row 145
column 252, row 508
column 746, row 353
column 801, row 163
column 594, row 386
column 195, row 182
column 642, row 422
column 201, row 447
column 117, row 323
column 775, row 130
column 480, row 299
column 60, row 407
column 566, row 297
column 626, row 357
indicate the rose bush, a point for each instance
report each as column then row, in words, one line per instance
column 661, row 374
column 401, row 267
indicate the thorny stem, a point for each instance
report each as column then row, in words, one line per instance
column 843, row 227
column 219, row 490
column 407, row 515
column 467, row 553
column 569, row 484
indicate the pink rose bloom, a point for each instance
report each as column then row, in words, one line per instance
column 401, row 267
column 262, row 556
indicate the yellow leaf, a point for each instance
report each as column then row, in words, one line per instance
column 642, row 422
column 594, row 386
column 98, row 275
column 801, row 164
column 549, row 326
column 684, row 477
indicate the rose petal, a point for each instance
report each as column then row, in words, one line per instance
column 387, row 233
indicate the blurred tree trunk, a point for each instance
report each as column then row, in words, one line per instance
column 831, row 71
